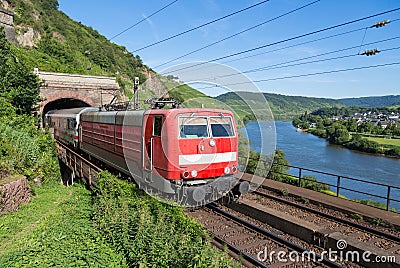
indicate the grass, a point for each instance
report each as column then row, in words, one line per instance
column 55, row 229
column 385, row 141
column 9, row 179
column 119, row 226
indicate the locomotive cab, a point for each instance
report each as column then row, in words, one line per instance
column 190, row 148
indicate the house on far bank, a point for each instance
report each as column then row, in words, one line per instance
column 383, row 124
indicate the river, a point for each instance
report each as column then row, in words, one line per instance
column 309, row 151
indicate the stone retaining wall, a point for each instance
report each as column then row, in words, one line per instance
column 13, row 194
column 7, row 21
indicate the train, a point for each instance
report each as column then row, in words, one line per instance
column 187, row 155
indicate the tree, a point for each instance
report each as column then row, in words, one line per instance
column 18, row 84
column 279, row 166
column 365, row 127
column 351, row 125
column 337, row 133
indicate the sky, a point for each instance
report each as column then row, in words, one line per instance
column 110, row 18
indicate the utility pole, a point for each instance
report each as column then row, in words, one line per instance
column 136, row 94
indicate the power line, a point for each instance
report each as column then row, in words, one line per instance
column 200, row 26
column 328, row 59
column 137, row 23
column 329, row 72
column 288, row 39
column 295, row 45
column 303, row 43
column 281, row 65
column 309, row 74
column 238, row 33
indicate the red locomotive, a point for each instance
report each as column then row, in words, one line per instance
column 188, row 154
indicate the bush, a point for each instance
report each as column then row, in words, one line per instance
column 312, row 183
column 147, row 232
column 27, row 150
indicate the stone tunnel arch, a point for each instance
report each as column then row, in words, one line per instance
column 65, row 99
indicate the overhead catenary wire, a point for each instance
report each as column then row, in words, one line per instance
column 295, row 45
column 145, row 18
column 200, row 26
column 286, row 40
column 238, row 33
column 306, row 75
column 282, row 64
column 328, row 59
column 302, row 43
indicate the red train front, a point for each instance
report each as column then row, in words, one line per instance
column 195, row 150
column 191, row 145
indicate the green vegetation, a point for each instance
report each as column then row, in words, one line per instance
column 119, row 226
column 63, row 45
column 384, row 141
column 261, row 165
column 303, row 200
column 27, row 150
column 24, row 148
column 147, row 232
column 283, row 107
column 18, row 85
column 351, row 134
column 371, row 102
column 55, row 229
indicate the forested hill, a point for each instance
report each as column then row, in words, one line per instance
column 283, row 107
column 372, row 102
column 49, row 40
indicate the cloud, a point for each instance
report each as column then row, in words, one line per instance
column 153, row 27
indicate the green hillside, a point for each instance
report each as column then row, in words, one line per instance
column 372, row 102
column 59, row 44
column 283, row 107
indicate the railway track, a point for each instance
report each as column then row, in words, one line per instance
column 254, row 244
column 320, row 229
column 337, row 222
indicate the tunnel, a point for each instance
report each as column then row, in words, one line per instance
column 63, row 103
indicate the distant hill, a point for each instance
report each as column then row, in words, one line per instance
column 372, row 102
column 283, row 107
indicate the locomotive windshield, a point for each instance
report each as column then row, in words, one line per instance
column 193, row 127
column 221, row 127
column 197, row 127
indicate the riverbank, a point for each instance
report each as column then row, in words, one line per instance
column 313, row 152
column 368, row 147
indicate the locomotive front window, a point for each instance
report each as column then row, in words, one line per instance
column 193, row 127
column 221, row 127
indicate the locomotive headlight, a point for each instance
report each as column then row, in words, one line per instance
column 186, row 174
column 212, row 143
column 234, row 169
column 227, row 170
column 194, row 173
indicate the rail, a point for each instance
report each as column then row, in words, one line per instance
column 389, row 190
